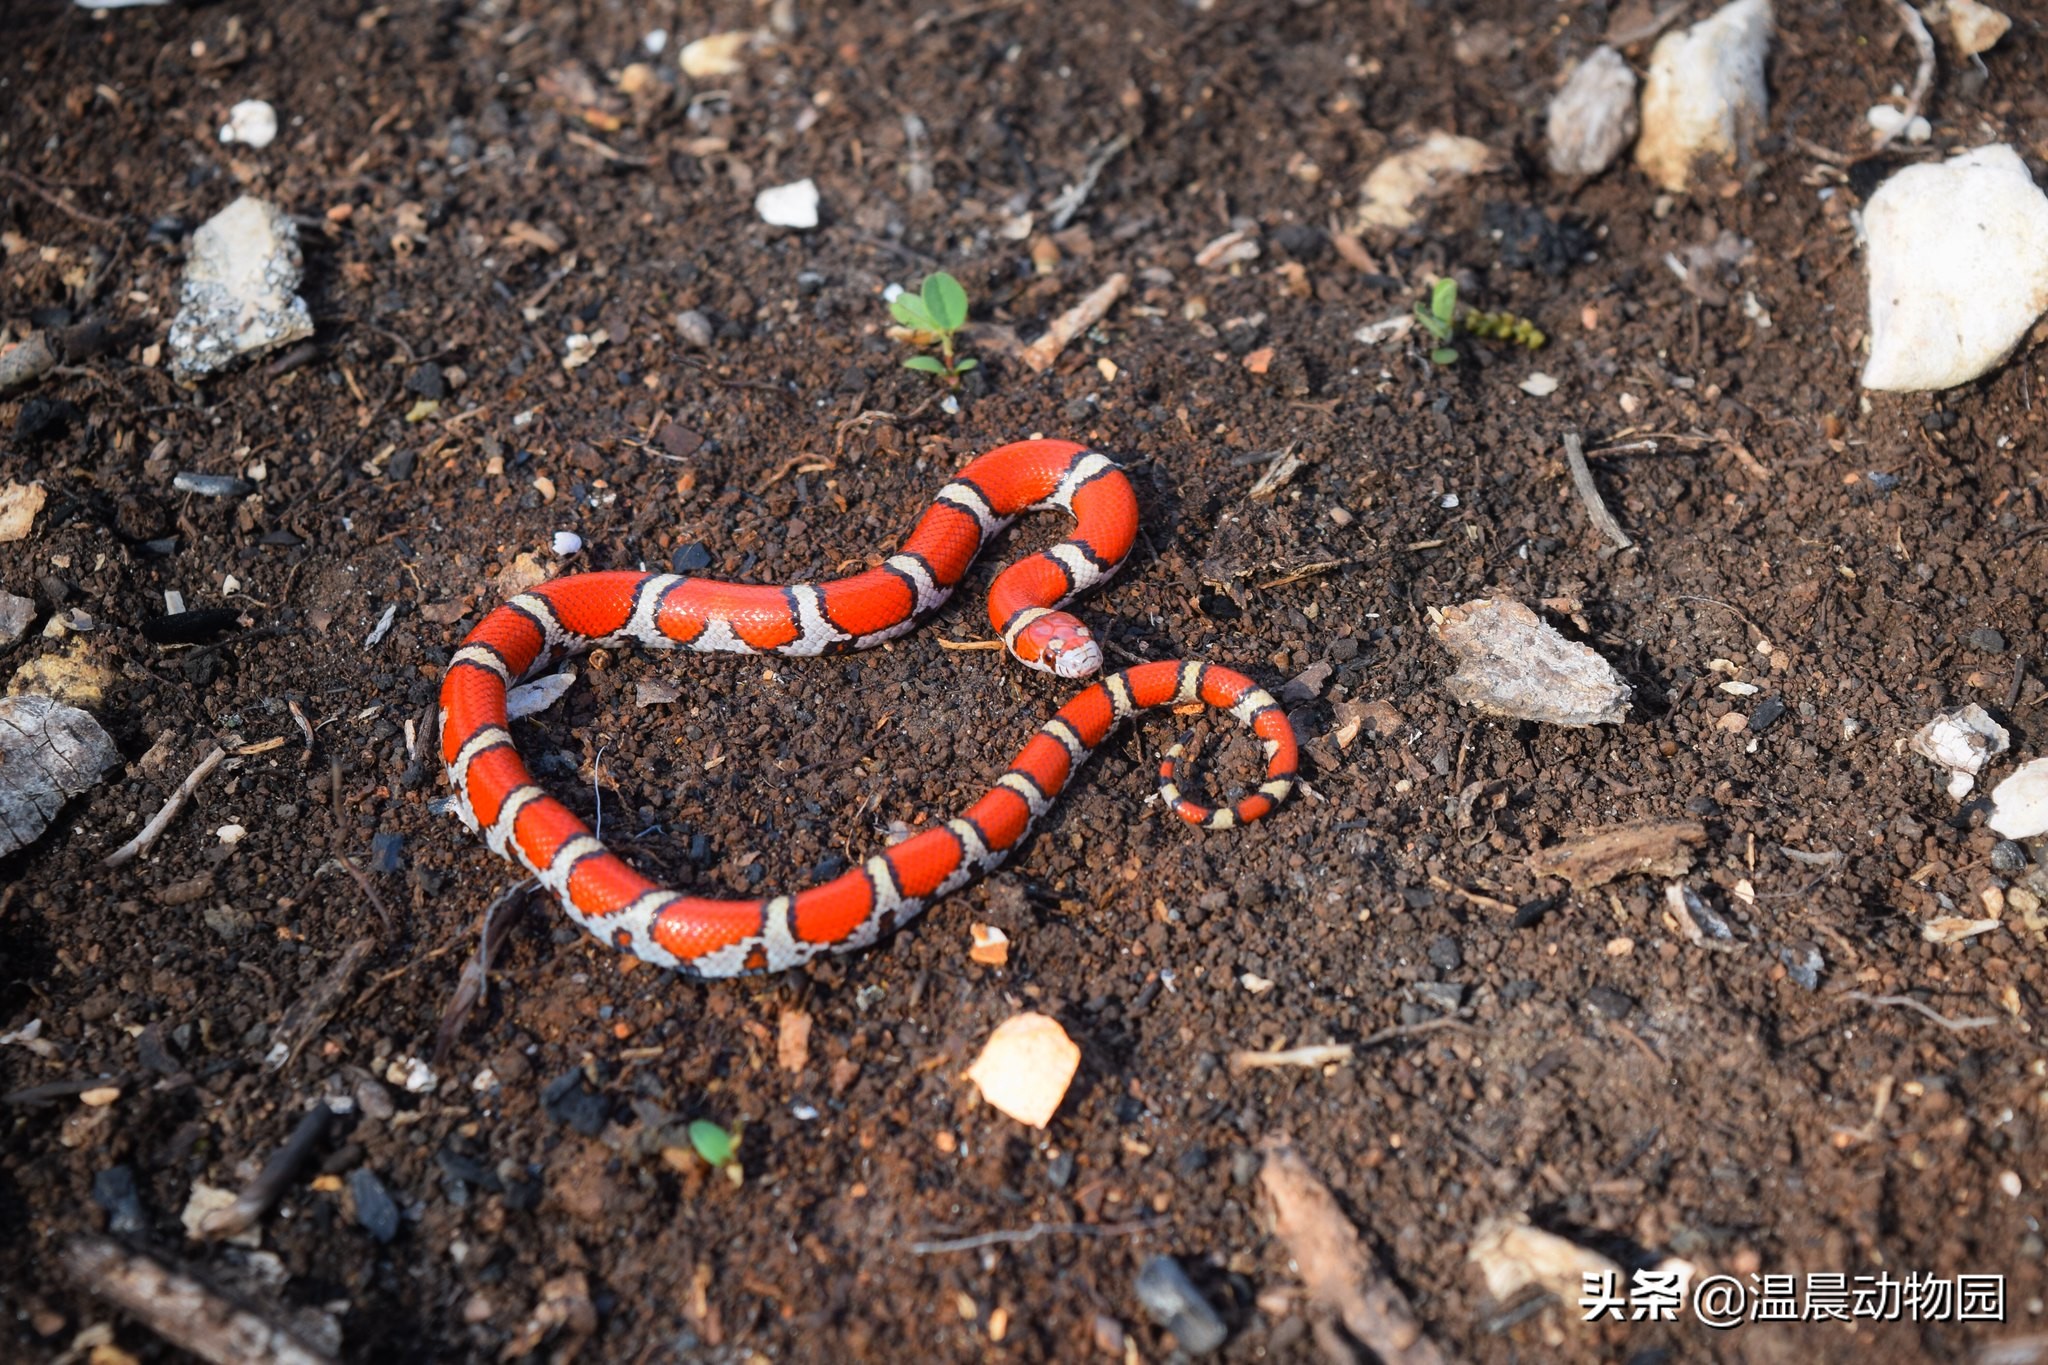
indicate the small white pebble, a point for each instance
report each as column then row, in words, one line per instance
column 791, row 206
column 804, row 1113
column 567, row 543
column 1254, row 983
column 253, row 123
column 231, row 584
column 1450, row 501
column 485, row 1079
column 231, row 834
column 950, row 405
column 2009, row 1181
column 656, row 41
column 1539, row 385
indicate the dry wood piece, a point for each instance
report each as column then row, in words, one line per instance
column 1660, row 848
column 183, row 1311
column 1512, row 1256
column 1589, row 494
column 1339, row 1271
column 1040, row 354
column 310, row 1013
column 1512, row 663
column 150, row 832
column 1313, row 1055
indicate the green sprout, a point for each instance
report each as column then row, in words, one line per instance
column 719, row 1148
column 1438, row 318
column 934, row 316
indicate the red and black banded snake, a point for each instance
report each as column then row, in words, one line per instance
column 530, row 633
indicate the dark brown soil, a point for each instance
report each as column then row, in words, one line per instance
column 473, row 187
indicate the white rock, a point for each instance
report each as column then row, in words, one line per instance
column 239, row 288
column 1705, row 94
column 1539, row 384
column 2019, row 805
column 1961, row 741
column 252, row 123
column 1398, row 186
column 15, row 615
column 1593, row 116
column 1515, row 664
column 231, row 834
column 1975, row 27
column 567, row 543
column 1958, row 269
column 717, row 54
column 1891, row 122
column 790, row 206
column 656, row 41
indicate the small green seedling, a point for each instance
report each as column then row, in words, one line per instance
column 1439, row 317
column 934, row 316
column 719, row 1148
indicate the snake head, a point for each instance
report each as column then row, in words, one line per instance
column 1054, row 642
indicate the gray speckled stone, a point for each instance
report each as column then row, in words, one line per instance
column 239, row 294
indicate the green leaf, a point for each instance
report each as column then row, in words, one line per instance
column 908, row 309
column 925, row 364
column 712, row 1142
column 946, row 301
column 1443, row 300
column 1432, row 324
column 1444, row 355
column 965, row 365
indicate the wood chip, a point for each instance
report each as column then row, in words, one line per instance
column 1341, row 1273
column 1040, row 354
column 793, row 1040
column 1660, row 848
column 991, row 945
column 1026, row 1066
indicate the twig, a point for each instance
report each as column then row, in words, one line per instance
column 1484, row 902
column 270, row 1183
column 1923, row 78
column 35, row 187
column 184, row 1311
column 376, row 901
column 498, row 917
column 1075, row 195
column 1398, row 1031
column 965, row 646
column 1018, row 1236
column 1313, row 1055
column 1040, row 354
column 1589, row 494
column 150, row 832
column 311, row 1012
column 1320, row 567
column 1909, row 1003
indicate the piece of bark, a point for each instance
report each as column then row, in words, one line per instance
column 1040, row 354
column 1660, row 848
column 1340, row 1272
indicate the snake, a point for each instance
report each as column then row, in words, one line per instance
column 534, row 631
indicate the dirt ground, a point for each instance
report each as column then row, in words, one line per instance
column 476, row 180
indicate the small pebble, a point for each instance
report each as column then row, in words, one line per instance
column 1060, row 1170
column 1611, row 1003
column 387, row 852
column 2008, row 858
column 1987, row 641
column 428, row 381
column 1803, row 964
column 114, row 1190
column 253, row 123
column 691, row 558
column 1442, row 996
column 567, row 543
column 375, row 1210
column 568, row 1100
column 694, row 329
column 1766, row 715
column 1170, row 1297
column 1445, row 954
